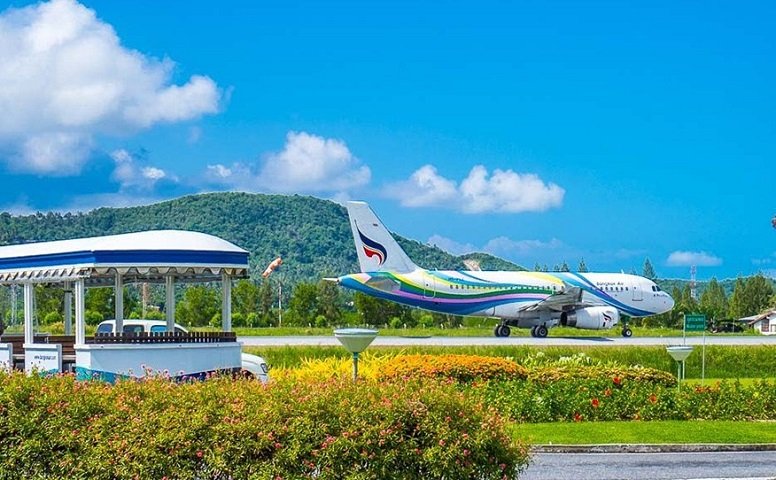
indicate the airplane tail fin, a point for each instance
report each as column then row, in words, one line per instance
column 376, row 247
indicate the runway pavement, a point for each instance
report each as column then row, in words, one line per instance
column 652, row 466
column 494, row 341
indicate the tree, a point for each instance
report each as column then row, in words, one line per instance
column 648, row 271
column 738, row 307
column 303, row 305
column 375, row 311
column 100, row 301
column 48, row 299
column 266, row 302
column 328, row 301
column 714, row 302
column 582, row 268
column 245, row 298
column 199, row 305
column 561, row 267
column 758, row 293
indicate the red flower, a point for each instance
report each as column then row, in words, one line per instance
column 617, row 381
column 608, row 392
column 653, row 399
column 595, row 403
column 577, row 417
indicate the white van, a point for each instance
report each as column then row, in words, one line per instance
column 250, row 363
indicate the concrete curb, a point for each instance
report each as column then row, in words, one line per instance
column 655, row 448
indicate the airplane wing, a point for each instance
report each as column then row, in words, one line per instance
column 568, row 297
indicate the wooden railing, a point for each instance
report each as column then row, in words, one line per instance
column 164, row 337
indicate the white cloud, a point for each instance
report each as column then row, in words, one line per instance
column 130, row 175
column 505, row 191
column 86, row 203
column 66, row 77
column 195, row 134
column 451, row 246
column 500, row 246
column 20, row 207
column 687, row 259
column 765, row 261
column 508, row 247
column 425, row 187
column 307, row 163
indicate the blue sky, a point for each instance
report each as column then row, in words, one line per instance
column 537, row 131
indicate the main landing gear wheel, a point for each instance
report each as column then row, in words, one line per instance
column 502, row 331
column 627, row 332
column 533, row 332
column 541, row 331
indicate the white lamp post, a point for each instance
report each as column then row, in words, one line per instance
column 355, row 340
column 680, row 354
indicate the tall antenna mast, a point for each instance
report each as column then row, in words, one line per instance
column 693, row 290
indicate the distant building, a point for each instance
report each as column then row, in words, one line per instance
column 764, row 323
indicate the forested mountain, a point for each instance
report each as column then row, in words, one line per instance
column 311, row 235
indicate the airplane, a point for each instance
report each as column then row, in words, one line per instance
column 535, row 300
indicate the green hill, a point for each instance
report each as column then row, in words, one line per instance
column 312, row 235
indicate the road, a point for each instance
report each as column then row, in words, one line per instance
column 651, row 466
column 493, row 341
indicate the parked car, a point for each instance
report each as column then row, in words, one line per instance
column 252, row 364
column 727, row 327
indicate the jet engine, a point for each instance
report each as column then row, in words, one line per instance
column 591, row 318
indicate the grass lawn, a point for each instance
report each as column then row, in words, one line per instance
column 659, row 432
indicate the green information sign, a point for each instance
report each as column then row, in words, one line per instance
column 694, row 323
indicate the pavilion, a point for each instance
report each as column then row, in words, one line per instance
column 163, row 256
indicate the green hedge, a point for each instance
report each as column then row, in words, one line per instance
column 547, row 374
column 223, row 428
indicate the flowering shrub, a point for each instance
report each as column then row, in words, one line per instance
column 555, row 373
column 461, row 368
column 223, row 428
column 369, row 367
column 615, row 398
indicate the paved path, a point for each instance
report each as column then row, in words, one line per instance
column 651, row 466
column 493, row 341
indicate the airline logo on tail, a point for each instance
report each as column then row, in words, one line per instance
column 373, row 249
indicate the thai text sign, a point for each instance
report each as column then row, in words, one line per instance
column 694, row 323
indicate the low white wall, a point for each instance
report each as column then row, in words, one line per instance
column 6, row 356
column 44, row 358
column 138, row 360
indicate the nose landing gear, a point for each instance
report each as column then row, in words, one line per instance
column 627, row 332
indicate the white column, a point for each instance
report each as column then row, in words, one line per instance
column 29, row 311
column 80, row 307
column 226, row 302
column 118, row 302
column 169, row 305
column 68, row 308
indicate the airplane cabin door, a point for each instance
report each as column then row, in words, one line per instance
column 638, row 294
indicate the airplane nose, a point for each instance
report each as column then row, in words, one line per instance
column 669, row 302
